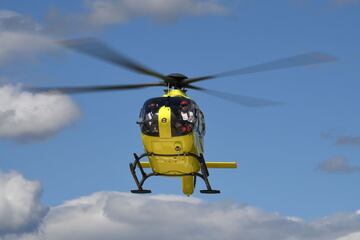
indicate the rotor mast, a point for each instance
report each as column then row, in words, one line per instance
column 175, row 85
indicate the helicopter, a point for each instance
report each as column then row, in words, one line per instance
column 173, row 126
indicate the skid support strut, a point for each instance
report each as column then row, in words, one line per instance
column 204, row 175
column 144, row 175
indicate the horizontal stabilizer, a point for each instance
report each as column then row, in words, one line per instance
column 208, row 164
column 221, row 164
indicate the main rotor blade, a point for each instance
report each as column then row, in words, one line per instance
column 98, row 49
column 290, row 62
column 89, row 89
column 238, row 99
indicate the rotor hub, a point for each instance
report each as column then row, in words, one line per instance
column 176, row 80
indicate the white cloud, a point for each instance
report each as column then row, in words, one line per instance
column 114, row 215
column 17, row 45
column 28, row 116
column 20, row 207
column 352, row 236
column 105, row 12
column 21, row 37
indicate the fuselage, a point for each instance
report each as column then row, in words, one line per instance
column 172, row 131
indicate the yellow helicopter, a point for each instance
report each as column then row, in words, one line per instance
column 173, row 126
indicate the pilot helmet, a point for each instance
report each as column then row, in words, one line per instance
column 184, row 105
column 152, row 106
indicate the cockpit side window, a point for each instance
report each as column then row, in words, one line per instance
column 149, row 117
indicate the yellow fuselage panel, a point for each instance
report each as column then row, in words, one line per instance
column 174, row 165
column 168, row 154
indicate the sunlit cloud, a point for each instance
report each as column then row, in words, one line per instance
column 26, row 116
column 20, row 207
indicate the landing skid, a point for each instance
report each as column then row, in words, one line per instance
column 144, row 176
column 143, row 191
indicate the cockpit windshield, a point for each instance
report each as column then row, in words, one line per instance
column 183, row 115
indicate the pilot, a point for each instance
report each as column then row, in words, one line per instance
column 152, row 107
column 185, row 112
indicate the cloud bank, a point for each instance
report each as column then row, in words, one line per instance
column 20, row 207
column 114, row 215
column 29, row 116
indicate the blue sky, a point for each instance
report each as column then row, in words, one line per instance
column 279, row 149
